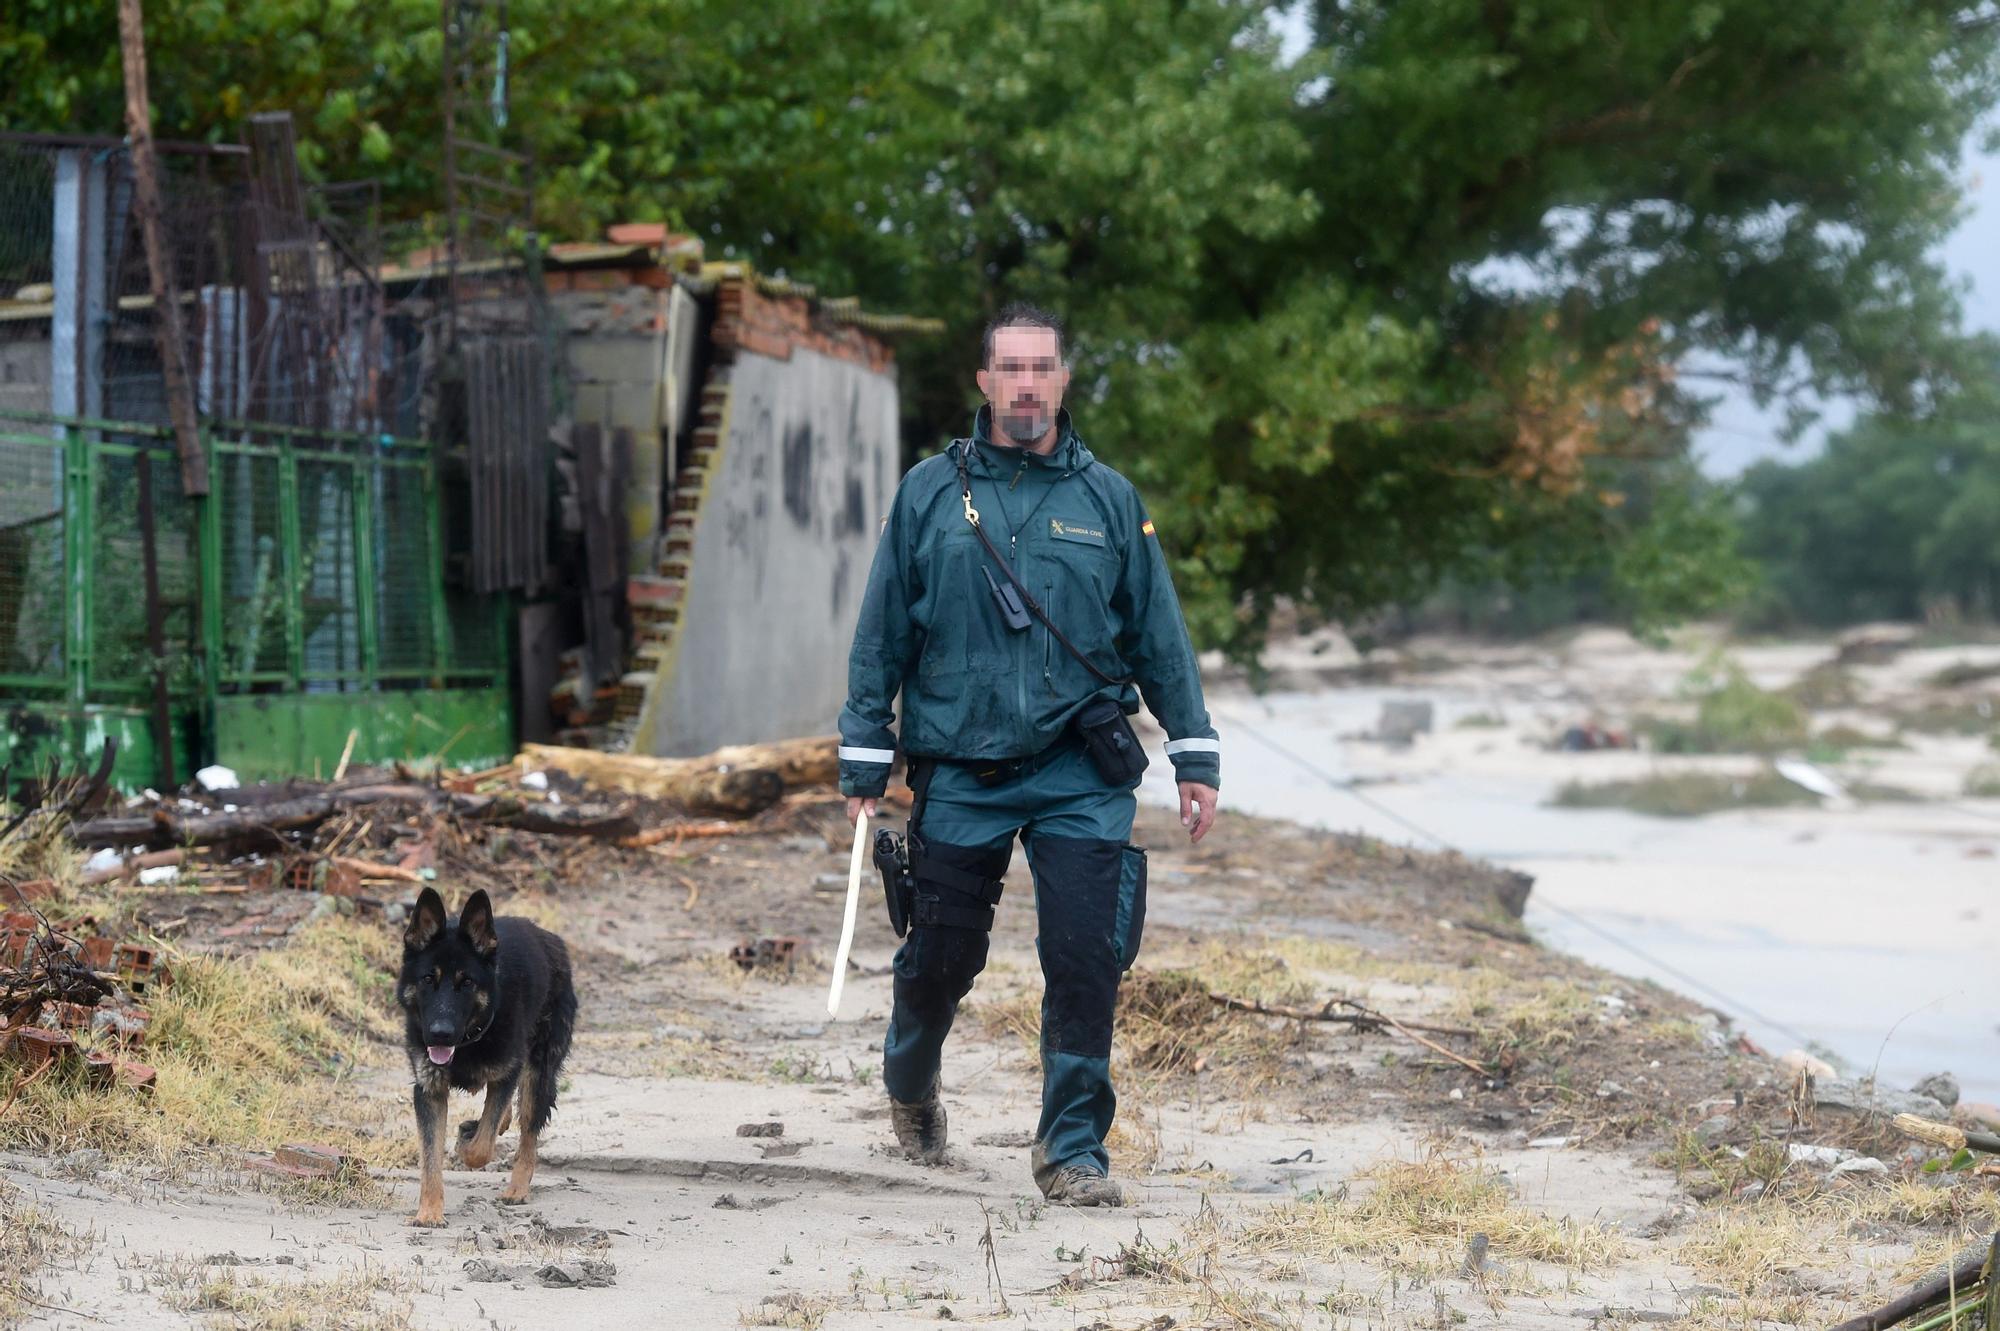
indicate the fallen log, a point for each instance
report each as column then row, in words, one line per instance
column 368, row 870
column 170, row 827
column 737, row 781
column 678, row 832
column 504, row 811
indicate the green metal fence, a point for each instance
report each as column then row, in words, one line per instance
column 303, row 600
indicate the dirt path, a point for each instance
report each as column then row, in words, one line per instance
column 1283, row 1173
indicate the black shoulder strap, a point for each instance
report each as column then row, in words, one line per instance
column 960, row 448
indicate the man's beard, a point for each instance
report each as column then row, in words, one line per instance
column 1026, row 424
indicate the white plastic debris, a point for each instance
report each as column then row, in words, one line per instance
column 535, row 780
column 216, row 778
column 1803, row 774
column 165, row 873
column 1866, row 1164
column 1816, row 1155
column 106, row 858
column 1548, row 1143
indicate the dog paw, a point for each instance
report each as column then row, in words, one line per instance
column 509, row 1199
column 421, row 1221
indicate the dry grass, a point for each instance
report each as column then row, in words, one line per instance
column 251, row 1052
column 1192, row 1265
column 1418, row 1215
column 370, row 1298
column 1168, row 1026
column 1774, row 1254
column 1522, row 1019
column 29, row 1241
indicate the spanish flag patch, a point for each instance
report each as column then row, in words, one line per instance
column 1147, row 529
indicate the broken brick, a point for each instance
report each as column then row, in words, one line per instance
column 20, row 894
column 38, row 1045
column 68, row 1016
column 96, row 954
column 341, row 881
column 99, row 1069
column 637, row 233
column 139, row 1076
column 127, row 1024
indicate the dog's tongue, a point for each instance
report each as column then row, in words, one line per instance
column 441, row 1053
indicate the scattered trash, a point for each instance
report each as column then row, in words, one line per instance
column 216, row 778
column 1866, row 1164
column 1548, row 1143
column 769, row 953
column 102, row 859
column 535, row 780
column 1806, row 776
column 1402, row 721
column 1591, row 737
column 1801, row 1154
column 165, row 873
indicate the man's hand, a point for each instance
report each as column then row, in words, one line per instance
column 855, row 804
column 1197, row 808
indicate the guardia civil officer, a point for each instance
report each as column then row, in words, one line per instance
column 1020, row 604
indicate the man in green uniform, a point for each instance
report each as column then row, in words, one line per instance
column 1020, row 604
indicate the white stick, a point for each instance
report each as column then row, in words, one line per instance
column 847, row 919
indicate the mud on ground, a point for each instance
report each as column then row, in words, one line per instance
column 1283, row 1170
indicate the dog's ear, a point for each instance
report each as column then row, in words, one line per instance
column 426, row 921
column 476, row 923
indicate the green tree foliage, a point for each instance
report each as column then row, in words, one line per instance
column 1410, row 308
column 1896, row 518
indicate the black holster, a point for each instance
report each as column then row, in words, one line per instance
column 892, row 857
column 948, row 890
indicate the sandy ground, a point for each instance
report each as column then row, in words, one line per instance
column 1598, row 1078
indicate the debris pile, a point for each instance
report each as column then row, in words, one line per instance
column 69, row 999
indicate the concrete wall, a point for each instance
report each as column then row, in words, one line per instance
column 781, row 553
column 622, row 343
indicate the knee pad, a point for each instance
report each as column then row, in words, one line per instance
column 957, row 887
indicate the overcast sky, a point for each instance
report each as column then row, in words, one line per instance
column 1738, row 434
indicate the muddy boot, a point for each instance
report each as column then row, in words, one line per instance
column 1073, row 1185
column 1080, row 1185
column 920, row 1127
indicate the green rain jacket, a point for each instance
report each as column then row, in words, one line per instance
column 1078, row 538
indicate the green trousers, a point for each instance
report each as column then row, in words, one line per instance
column 1090, row 910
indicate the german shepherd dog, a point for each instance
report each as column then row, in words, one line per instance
column 486, row 1003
